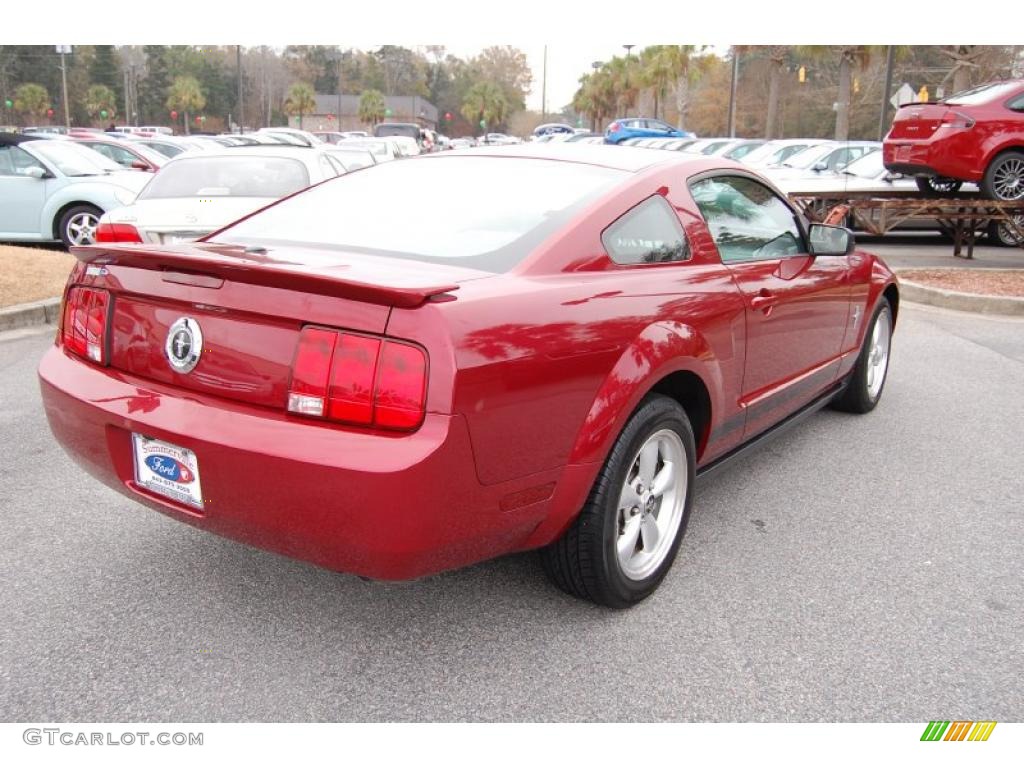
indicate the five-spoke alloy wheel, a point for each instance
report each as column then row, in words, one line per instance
column 626, row 537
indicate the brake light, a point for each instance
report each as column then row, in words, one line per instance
column 957, row 120
column 358, row 379
column 613, row 127
column 117, row 233
column 84, row 325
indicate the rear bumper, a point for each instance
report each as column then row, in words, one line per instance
column 950, row 157
column 380, row 506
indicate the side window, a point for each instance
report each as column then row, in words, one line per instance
column 14, row 161
column 328, row 167
column 648, row 233
column 1017, row 104
column 747, row 221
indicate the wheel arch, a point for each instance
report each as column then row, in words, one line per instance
column 64, row 208
column 668, row 358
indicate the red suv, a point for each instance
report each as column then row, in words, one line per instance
column 976, row 135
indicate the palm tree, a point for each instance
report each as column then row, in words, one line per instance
column 657, row 70
column 32, row 101
column 185, row 95
column 301, row 100
column 964, row 58
column 777, row 55
column 485, row 101
column 99, row 99
column 849, row 56
column 372, row 107
column 625, row 76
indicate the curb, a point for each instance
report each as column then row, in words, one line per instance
column 984, row 304
column 42, row 312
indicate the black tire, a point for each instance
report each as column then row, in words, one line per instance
column 75, row 215
column 1000, row 233
column 858, row 396
column 994, row 183
column 584, row 561
column 930, row 185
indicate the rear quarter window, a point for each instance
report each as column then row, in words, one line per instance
column 649, row 233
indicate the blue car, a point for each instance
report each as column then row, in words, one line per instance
column 642, row 128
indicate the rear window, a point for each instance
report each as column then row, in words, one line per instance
column 227, row 177
column 982, row 94
column 397, row 129
column 494, row 210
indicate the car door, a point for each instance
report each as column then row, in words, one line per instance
column 21, row 196
column 797, row 304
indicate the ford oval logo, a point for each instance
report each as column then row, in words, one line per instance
column 169, row 468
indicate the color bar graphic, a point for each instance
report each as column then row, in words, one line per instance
column 958, row 730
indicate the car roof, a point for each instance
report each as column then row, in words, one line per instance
column 18, row 138
column 630, row 159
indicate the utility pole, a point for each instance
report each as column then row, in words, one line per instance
column 628, row 49
column 238, row 61
column 544, row 89
column 62, row 50
column 732, row 92
column 890, row 55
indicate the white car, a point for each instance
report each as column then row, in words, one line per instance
column 777, row 151
column 866, row 174
column 382, row 150
column 196, row 194
column 824, row 158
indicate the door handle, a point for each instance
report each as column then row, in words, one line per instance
column 764, row 300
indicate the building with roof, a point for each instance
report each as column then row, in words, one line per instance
column 341, row 113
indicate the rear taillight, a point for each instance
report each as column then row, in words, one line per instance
column 957, row 120
column 84, row 325
column 117, row 233
column 613, row 127
column 357, row 379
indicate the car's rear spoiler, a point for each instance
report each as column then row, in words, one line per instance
column 240, row 265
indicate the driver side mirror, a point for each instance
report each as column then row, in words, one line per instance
column 819, row 167
column 140, row 165
column 35, row 172
column 827, row 240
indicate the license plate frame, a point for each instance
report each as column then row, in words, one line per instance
column 167, row 470
column 903, row 152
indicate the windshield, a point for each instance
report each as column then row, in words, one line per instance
column 240, row 176
column 808, row 157
column 397, row 129
column 867, row 167
column 379, row 148
column 982, row 94
column 506, row 206
column 73, row 159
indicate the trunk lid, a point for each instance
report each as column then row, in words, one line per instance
column 176, row 220
column 916, row 122
column 249, row 306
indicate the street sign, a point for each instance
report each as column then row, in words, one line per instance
column 905, row 95
column 63, row 49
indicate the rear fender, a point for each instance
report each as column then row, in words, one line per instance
column 661, row 349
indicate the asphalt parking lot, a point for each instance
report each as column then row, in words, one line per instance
column 858, row 568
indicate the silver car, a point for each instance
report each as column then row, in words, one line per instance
column 57, row 190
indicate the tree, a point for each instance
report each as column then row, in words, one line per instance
column 849, row 56
column 485, row 101
column 99, row 99
column 185, row 96
column 507, row 68
column 371, row 107
column 964, row 58
column 657, row 70
column 777, row 55
column 32, row 101
column 301, row 100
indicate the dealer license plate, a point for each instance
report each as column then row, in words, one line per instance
column 168, row 470
column 903, row 153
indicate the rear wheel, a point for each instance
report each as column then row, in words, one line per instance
column 1003, row 233
column 626, row 537
column 931, row 185
column 864, row 389
column 78, row 225
column 1004, row 179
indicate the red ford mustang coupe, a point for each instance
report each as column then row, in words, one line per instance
column 351, row 378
